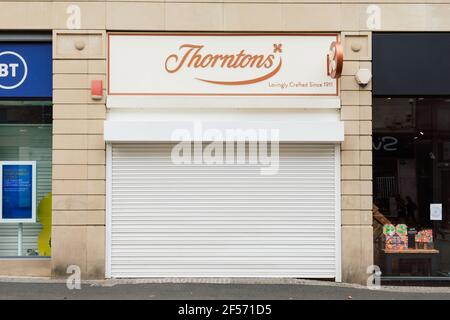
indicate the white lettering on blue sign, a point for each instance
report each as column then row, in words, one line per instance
column 13, row 70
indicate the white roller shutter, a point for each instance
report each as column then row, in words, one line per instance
column 198, row 220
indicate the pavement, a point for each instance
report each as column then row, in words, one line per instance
column 209, row 289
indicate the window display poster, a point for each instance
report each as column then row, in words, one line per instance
column 18, row 192
column 436, row 211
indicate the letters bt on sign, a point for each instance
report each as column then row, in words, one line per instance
column 26, row 70
column 13, row 70
column 221, row 64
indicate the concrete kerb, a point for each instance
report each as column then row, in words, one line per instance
column 227, row 281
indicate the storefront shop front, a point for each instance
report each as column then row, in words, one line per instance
column 25, row 146
column 186, row 139
column 411, row 190
column 223, row 155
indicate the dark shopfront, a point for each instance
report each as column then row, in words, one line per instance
column 411, row 155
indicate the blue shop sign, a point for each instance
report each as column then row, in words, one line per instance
column 18, row 191
column 25, row 70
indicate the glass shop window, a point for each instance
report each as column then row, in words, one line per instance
column 411, row 186
column 26, row 149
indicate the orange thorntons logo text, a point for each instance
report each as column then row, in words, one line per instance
column 192, row 56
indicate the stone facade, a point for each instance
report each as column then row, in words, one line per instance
column 79, row 48
column 356, row 160
column 78, row 153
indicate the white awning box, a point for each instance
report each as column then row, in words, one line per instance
column 283, row 131
column 133, row 102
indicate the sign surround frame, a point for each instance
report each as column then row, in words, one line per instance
column 208, row 94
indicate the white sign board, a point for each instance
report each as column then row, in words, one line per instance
column 220, row 65
column 436, row 211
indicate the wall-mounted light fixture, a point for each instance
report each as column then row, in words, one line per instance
column 363, row 76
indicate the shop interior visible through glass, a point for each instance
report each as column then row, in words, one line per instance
column 26, row 137
column 411, row 186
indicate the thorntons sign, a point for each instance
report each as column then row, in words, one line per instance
column 221, row 64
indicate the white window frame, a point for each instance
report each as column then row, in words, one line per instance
column 108, row 214
column 33, row 193
column 338, row 250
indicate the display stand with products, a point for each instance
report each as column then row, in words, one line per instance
column 402, row 244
